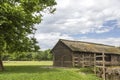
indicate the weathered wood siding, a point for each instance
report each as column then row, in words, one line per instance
column 111, row 73
column 115, row 60
column 62, row 55
column 82, row 59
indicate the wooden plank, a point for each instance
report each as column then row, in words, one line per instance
column 75, row 57
column 83, row 60
column 79, row 59
column 67, row 61
column 100, row 66
column 103, row 66
column 86, row 57
column 95, row 63
column 75, row 61
column 100, row 55
column 99, row 61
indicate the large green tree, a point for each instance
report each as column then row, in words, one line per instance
column 17, row 20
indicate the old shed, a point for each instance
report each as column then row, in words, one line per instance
column 67, row 53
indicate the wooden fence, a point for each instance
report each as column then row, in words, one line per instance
column 99, row 65
column 106, row 73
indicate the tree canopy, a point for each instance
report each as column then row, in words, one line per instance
column 17, row 19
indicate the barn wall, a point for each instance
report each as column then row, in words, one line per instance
column 62, row 55
column 111, row 73
column 88, row 59
column 82, row 59
column 115, row 60
column 111, row 60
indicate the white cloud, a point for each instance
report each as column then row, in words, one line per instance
column 78, row 17
column 81, row 16
column 108, row 41
column 102, row 30
column 48, row 40
column 63, row 3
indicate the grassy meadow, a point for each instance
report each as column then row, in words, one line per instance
column 42, row 70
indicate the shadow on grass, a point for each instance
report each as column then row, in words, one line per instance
column 29, row 69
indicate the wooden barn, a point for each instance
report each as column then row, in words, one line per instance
column 67, row 53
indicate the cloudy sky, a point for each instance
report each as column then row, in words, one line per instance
column 95, row 21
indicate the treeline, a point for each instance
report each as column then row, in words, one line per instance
column 28, row 56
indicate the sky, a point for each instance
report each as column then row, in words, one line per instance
column 95, row 21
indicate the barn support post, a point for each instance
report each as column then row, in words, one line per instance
column 83, row 63
column 112, row 60
column 102, row 66
column 89, row 60
column 103, row 56
column 79, row 60
column 94, row 63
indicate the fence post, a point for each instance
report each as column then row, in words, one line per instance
column 103, row 56
column 102, row 66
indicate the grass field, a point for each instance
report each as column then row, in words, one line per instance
column 41, row 70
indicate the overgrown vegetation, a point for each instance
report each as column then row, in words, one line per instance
column 28, row 56
column 41, row 70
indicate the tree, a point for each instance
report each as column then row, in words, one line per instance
column 28, row 56
column 45, row 55
column 17, row 19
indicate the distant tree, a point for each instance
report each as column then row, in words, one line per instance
column 28, row 56
column 45, row 55
column 35, row 56
column 17, row 19
column 49, row 55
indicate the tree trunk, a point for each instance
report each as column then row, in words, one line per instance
column 1, row 64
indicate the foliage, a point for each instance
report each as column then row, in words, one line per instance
column 34, row 70
column 17, row 19
column 28, row 56
column 46, row 55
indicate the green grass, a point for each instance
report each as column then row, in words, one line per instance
column 41, row 70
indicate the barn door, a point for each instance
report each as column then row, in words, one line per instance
column 67, row 61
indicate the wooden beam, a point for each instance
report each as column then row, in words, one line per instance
column 83, row 60
column 103, row 56
column 95, row 63
column 100, row 66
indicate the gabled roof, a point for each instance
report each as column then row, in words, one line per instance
column 90, row 47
